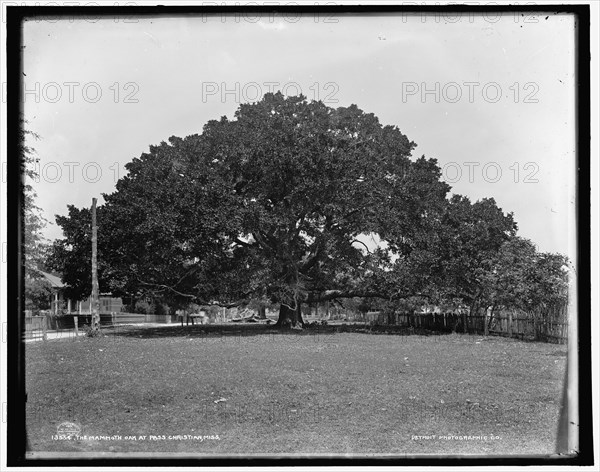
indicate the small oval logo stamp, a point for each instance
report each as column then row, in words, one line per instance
column 68, row 429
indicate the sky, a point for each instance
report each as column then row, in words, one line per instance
column 490, row 97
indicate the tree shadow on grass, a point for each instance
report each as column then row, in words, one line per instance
column 259, row 329
column 203, row 331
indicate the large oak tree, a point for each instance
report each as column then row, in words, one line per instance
column 280, row 203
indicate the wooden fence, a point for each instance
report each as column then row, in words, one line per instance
column 548, row 329
column 37, row 327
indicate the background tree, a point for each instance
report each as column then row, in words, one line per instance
column 470, row 235
column 35, row 246
column 71, row 256
column 523, row 278
column 34, row 223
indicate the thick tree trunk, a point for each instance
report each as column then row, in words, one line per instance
column 262, row 312
column 491, row 317
column 472, row 312
column 290, row 318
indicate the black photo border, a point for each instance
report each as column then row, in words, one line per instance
column 16, row 440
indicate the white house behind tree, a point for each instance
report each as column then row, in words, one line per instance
column 59, row 303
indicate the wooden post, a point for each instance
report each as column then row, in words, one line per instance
column 485, row 321
column 510, row 324
column 44, row 329
column 95, row 302
column 76, row 321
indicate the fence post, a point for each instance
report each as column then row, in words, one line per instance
column 76, row 322
column 94, row 298
column 510, row 326
column 112, row 318
column 485, row 321
column 44, row 328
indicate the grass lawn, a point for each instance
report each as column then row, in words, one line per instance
column 263, row 392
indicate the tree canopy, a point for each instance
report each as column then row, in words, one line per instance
column 279, row 203
column 33, row 221
column 525, row 279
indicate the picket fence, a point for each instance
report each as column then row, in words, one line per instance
column 36, row 327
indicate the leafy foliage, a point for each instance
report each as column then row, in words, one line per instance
column 467, row 240
column 278, row 205
column 38, row 293
column 35, row 250
column 268, row 205
column 35, row 245
column 525, row 279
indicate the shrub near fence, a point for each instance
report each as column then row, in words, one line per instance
column 433, row 321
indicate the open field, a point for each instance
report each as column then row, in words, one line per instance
column 256, row 391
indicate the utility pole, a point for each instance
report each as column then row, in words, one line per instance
column 95, row 302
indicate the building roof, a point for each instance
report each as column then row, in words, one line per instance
column 54, row 280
